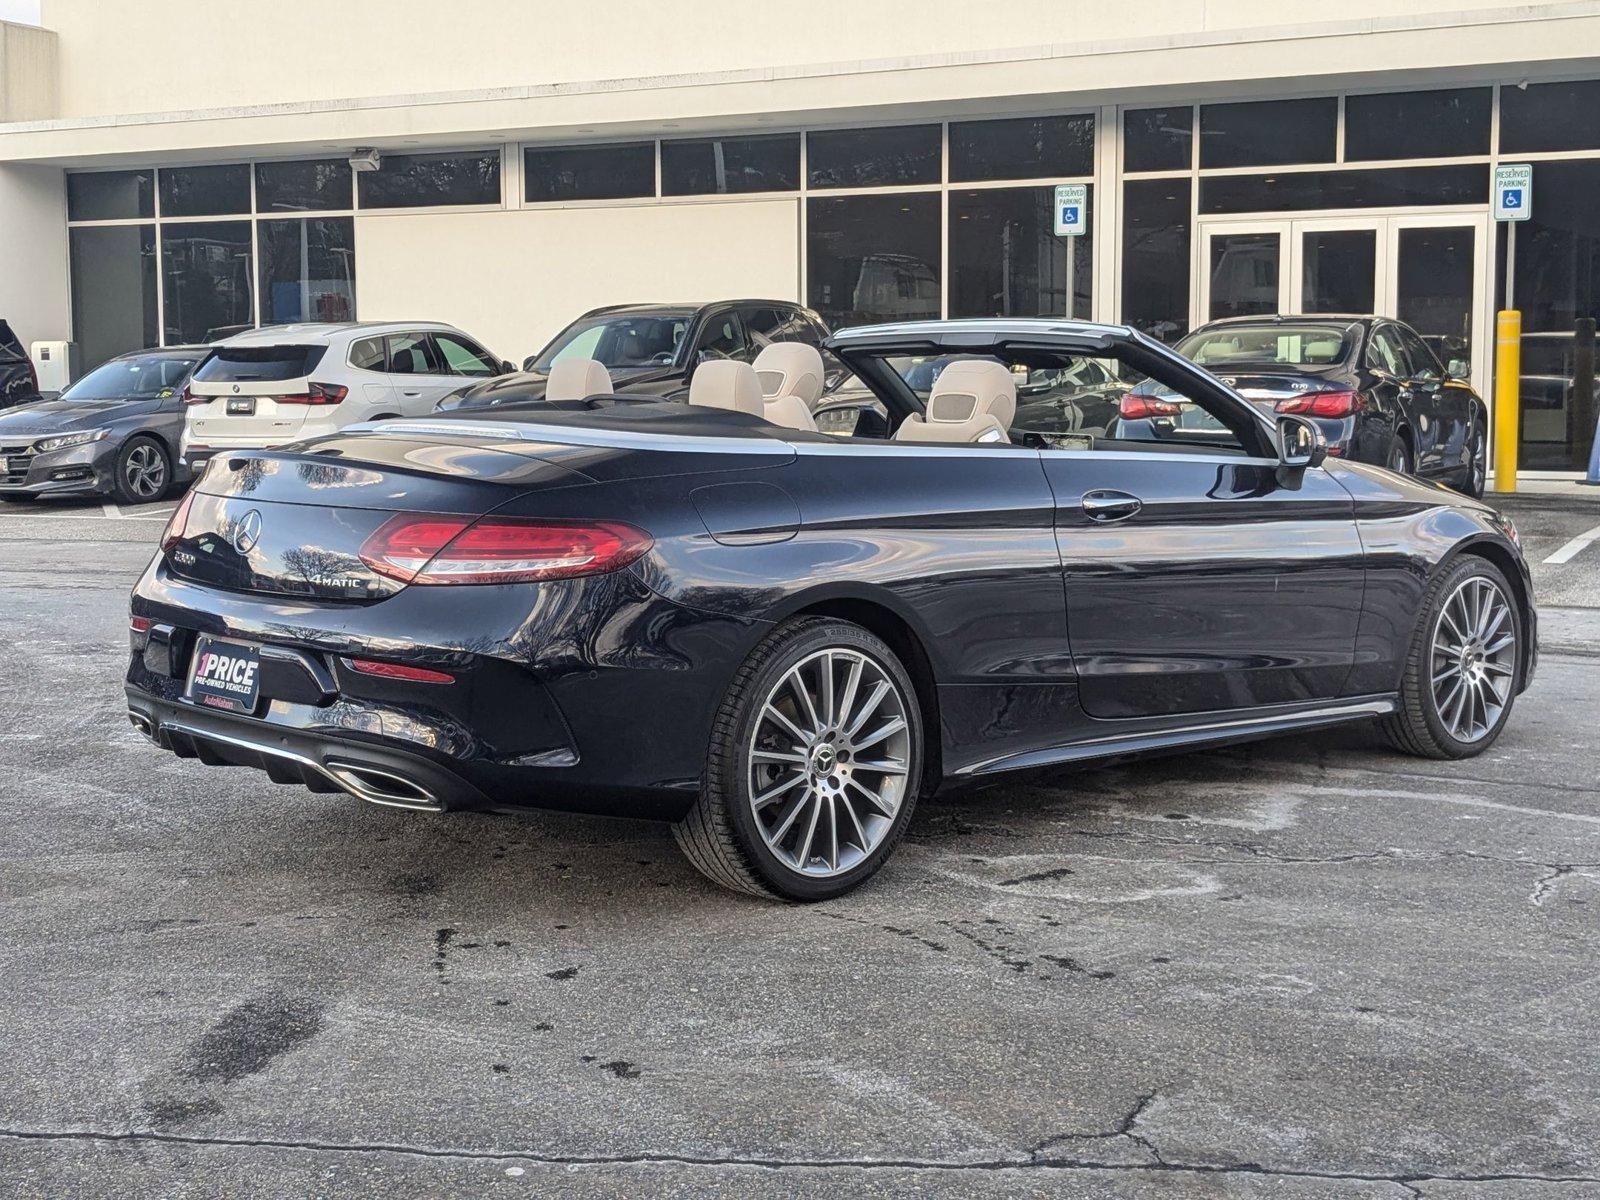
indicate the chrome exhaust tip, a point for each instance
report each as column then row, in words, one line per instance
column 381, row 787
column 142, row 723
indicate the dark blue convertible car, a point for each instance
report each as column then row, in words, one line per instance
column 708, row 613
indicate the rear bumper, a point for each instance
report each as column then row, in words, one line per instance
column 374, row 773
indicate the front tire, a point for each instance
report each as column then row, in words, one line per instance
column 814, row 765
column 143, row 472
column 1463, row 667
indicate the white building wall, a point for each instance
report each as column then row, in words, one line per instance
column 33, row 252
column 516, row 278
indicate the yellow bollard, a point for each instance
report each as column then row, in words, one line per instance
column 1507, row 397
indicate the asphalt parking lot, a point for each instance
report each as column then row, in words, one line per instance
column 1307, row 968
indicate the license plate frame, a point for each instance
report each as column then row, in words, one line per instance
column 224, row 674
column 241, row 406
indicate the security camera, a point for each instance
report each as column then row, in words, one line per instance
column 365, row 160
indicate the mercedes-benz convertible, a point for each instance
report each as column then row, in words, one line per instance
column 778, row 639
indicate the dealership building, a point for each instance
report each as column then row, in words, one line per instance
column 173, row 171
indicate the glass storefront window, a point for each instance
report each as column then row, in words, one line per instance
column 1550, row 116
column 205, row 191
column 424, row 180
column 713, row 166
column 308, row 270
column 1341, row 271
column 206, row 280
column 113, row 290
column 306, row 186
column 1442, row 124
column 605, row 172
column 1244, row 274
column 1391, row 187
column 1006, row 261
column 1021, row 148
column 1557, row 281
column 111, row 195
column 1155, row 256
column 1269, row 133
column 851, row 158
column 1158, row 139
column 873, row 258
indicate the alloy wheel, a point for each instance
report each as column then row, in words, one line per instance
column 1474, row 658
column 145, row 472
column 828, row 762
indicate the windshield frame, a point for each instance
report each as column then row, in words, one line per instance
column 143, row 360
column 1349, row 334
column 545, row 358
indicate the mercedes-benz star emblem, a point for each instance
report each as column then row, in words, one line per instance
column 246, row 531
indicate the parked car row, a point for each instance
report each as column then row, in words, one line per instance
column 146, row 422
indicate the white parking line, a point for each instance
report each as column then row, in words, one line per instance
column 111, row 510
column 1575, row 547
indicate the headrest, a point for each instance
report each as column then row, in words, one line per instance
column 724, row 383
column 577, row 379
column 790, row 369
column 972, row 387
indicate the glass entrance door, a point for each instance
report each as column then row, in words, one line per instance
column 1430, row 270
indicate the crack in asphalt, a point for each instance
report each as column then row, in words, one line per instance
column 1404, row 1179
column 1124, row 1129
column 1542, row 888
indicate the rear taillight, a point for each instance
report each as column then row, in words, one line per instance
column 389, row 670
column 173, row 534
column 188, row 396
column 318, row 393
column 1323, row 404
column 1134, row 407
column 437, row 549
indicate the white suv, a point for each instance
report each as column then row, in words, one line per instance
column 287, row 382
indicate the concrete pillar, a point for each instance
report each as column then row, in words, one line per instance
column 34, row 291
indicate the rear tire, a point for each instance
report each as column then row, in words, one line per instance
column 1398, row 459
column 1463, row 667
column 814, row 765
column 1476, row 472
column 143, row 472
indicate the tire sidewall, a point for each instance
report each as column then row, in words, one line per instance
column 1463, row 569
column 734, row 773
column 119, row 486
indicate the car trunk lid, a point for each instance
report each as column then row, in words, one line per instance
column 248, row 392
column 293, row 522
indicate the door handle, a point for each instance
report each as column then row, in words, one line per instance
column 1106, row 505
column 405, row 393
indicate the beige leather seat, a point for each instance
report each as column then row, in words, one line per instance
column 790, row 375
column 727, row 384
column 971, row 401
column 577, row 379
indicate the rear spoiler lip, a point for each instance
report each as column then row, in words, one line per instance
column 616, row 439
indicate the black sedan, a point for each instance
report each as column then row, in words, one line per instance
column 653, row 349
column 778, row 640
column 1373, row 386
column 114, row 432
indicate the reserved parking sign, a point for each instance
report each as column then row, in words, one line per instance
column 1072, row 209
column 1513, row 191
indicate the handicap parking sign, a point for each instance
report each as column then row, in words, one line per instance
column 1072, row 201
column 1513, row 191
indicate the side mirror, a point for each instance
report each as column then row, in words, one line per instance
column 1301, row 446
column 528, row 363
column 507, row 367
